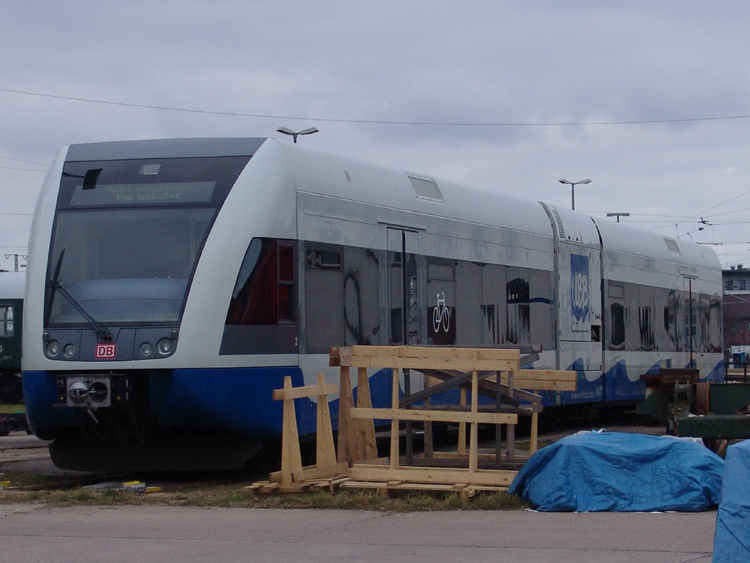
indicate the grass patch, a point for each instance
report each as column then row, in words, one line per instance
column 27, row 479
column 235, row 496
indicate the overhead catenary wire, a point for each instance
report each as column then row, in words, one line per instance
column 484, row 124
column 377, row 121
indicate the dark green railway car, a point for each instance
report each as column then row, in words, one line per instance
column 12, row 287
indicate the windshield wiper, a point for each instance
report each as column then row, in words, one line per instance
column 101, row 331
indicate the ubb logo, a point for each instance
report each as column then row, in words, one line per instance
column 579, row 290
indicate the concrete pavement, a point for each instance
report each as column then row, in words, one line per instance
column 31, row 533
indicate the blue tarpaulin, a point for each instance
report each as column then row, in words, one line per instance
column 732, row 539
column 595, row 471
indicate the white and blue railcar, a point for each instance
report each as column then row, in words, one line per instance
column 172, row 284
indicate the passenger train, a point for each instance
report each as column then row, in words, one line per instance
column 12, row 287
column 172, row 284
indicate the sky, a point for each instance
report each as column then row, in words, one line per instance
column 649, row 100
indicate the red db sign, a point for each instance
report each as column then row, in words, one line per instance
column 105, row 351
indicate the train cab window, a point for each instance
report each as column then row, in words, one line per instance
column 265, row 288
column 6, row 321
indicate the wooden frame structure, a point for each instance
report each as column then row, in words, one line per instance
column 482, row 370
column 473, row 367
column 293, row 477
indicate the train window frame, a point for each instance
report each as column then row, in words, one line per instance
column 7, row 321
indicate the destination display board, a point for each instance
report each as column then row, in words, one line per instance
column 174, row 193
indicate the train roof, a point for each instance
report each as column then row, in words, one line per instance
column 334, row 176
column 341, row 177
column 164, row 148
column 12, row 285
column 630, row 240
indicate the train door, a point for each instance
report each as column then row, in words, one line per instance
column 403, row 287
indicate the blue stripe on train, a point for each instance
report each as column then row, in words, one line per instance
column 236, row 399
column 241, row 399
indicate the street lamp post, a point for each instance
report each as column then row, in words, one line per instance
column 296, row 134
column 618, row 215
column 573, row 189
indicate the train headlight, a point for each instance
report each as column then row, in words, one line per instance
column 78, row 392
column 52, row 348
column 146, row 350
column 165, row 346
column 69, row 351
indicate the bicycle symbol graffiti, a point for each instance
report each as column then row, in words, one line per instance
column 441, row 314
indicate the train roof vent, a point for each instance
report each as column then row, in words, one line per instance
column 672, row 245
column 425, row 188
column 558, row 220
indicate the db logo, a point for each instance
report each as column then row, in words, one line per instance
column 105, row 351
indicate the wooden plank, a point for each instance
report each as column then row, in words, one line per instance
column 460, row 364
column 445, row 475
column 510, row 430
column 524, row 410
column 325, row 451
column 428, row 352
column 414, row 357
column 435, row 415
column 314, row 472
column 368, row 448
column 291, row 459
column 347, row 447
column 304, row 392
column 474, row 436
column 486, row 386
column 544, row 379
column 427, row 425
column 448, row 384
column 462, row 426
column 394, row 422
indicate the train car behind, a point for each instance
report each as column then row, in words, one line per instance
column 12, row 290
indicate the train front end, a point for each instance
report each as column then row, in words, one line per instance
column 125, row 299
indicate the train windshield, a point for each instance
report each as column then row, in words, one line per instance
column 128, row 235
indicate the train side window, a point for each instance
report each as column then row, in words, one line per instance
column 324, row 298
column 265, row 287
column 518, row 326
column 617, row 337
column 6, row 321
